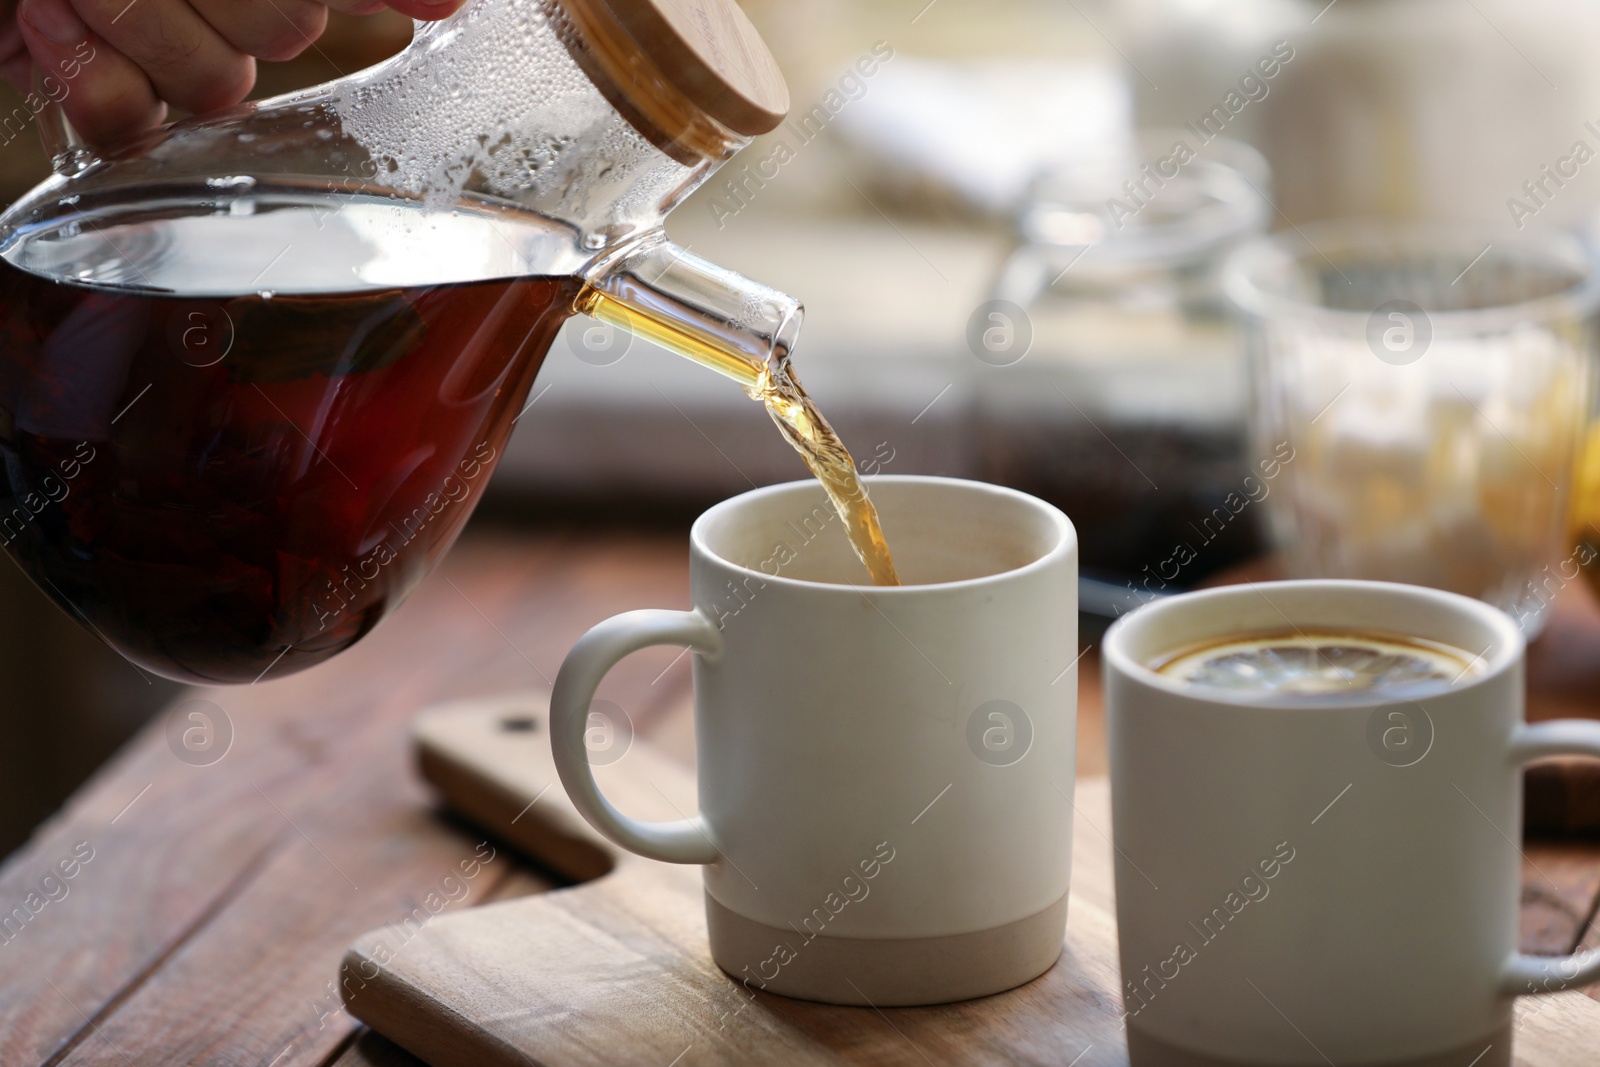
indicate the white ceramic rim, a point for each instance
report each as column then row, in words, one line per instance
column 1066, row 537
column 1509, row 641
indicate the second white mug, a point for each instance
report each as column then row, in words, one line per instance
column 1303, row 883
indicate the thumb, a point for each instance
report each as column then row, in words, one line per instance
column 16, row 66
column 427, row 10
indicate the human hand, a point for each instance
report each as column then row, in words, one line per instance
column 117, row 64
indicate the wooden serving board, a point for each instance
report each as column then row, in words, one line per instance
column 616, row 971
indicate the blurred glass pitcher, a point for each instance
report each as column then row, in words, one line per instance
column 256, row 367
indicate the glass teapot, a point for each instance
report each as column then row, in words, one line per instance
column 256, row 367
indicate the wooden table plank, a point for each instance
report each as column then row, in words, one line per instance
column 176, row 844
column 1560, row 882
column 196, row 843
column 349, row 856
column 371, row 1049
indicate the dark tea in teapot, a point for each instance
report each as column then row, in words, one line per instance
column 221, row 484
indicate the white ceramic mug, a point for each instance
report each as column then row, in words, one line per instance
column 884, row 773
column 1303, row 884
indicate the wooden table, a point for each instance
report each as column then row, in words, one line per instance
column 208, row 924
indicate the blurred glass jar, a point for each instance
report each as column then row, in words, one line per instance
column 1434, row 387
column 1111, row 380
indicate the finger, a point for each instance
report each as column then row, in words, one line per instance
column 277, row 30
column 15, row 64
column 187, row 61
column 426, row 11
column 104, row 93
column 357, row 7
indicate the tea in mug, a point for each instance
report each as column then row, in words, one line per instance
column 1321, row 664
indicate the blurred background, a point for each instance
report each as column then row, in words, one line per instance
column 1007, row 221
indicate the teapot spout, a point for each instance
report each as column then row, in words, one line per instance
column 719, row 319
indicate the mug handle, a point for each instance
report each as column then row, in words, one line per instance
column 1531, row 975
column 678, row 841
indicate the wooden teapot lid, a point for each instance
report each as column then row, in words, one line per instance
column 679, row 69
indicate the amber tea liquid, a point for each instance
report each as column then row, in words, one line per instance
column 236, row 480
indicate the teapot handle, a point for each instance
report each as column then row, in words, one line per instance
column 67, row 151
column 722, row 320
